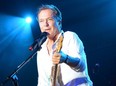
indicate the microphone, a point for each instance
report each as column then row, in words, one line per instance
column 38, row 42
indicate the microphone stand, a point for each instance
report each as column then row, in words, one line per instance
column 13, row 75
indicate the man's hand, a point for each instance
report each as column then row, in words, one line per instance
column 56, row 58
column 59, row 57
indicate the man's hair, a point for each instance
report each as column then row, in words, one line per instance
column 55, row 10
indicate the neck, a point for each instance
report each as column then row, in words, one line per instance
column 54, row 38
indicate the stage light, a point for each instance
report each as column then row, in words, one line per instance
column 28, row 20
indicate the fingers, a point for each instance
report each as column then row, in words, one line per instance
column 56, row 58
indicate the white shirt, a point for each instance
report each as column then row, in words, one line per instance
column 72, row 46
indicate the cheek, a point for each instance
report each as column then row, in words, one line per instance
column 40, row 24
column 51, row 24
column 41, row 29
column 56, row 24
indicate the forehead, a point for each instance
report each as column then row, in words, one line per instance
column 45, row 13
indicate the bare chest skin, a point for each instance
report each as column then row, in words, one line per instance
column 49, row 47
column 50, row 44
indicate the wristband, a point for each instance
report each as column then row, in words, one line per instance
column 66, row 59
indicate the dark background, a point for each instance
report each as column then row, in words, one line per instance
column 93, row 20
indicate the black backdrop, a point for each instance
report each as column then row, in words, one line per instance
column 94, row 22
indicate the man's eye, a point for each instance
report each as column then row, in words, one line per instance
column 50, row 19
column 40, row 20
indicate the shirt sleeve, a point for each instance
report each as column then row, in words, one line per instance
column 76, row 50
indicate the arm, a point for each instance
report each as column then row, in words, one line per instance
column 75, row 55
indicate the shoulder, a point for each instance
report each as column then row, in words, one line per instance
column 72, row 37
column 70, row 34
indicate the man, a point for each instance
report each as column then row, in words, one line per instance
column 70, row 59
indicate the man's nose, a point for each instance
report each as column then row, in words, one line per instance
column 46, row 23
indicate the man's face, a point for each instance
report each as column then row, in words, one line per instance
column 48, row 23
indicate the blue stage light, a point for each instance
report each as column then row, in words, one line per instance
column 28, row 20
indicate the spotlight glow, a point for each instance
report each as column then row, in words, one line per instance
column 28, row 19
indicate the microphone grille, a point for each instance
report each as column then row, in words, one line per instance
column 43, row 34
